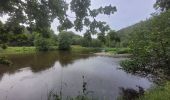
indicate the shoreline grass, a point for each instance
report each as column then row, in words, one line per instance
column 17, row 50
column 74, row 48
column 28, row 50
column 158, row 93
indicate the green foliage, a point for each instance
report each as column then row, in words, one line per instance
column 42, row 44
column 101, row 37
column 123, row 51
column 112, row 39
column 64, row 40
column 4, row 36
column 150, row 45
column 83, row 16
column 130, row 65
column 86, row 40
column 95, row 43
column 39, row 14
column 164, row 5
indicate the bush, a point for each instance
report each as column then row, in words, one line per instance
column 64, row 41
column 42, row 44
column 123, row 51
column 85, row 43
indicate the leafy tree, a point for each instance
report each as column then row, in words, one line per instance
column 101, row 37
column 112, row 38
column 86, row 40
column 164, row 5
column 41, row 43
column 95, row 43
column 38, row 14
column 4, row 36
column 64, row 40
column 150, row 44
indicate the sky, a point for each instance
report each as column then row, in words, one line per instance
column 128, row 13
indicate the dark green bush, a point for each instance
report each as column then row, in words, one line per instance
column 64, row 41
column 42, row 44
column 123, row 51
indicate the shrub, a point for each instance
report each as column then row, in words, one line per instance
column 64, row 41
column 42, row 44
column 123, row 51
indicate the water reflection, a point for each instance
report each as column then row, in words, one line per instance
column 41, row 61
column 33, row 76
column 130, row 93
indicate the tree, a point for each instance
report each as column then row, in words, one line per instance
column 86, row 40
column 38, row 14
column 64, row 40
column 150, row 45
column 95, row 43
column 164, row 5
column 41, row 43
column 4, row 36
column 101, row 37
column 112, row 38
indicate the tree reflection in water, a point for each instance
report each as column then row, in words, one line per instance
column 130, row 94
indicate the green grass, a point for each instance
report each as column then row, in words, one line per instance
column 158, row 93
column 25, row 50
column 74, row 48
column 18, row 50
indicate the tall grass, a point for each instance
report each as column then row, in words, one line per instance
column 158, row 93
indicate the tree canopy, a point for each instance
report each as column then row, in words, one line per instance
column 164, row 5
column 39, row 14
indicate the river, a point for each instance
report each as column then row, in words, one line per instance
column 35, row 76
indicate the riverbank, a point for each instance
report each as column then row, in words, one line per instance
column 28, row 50
column 158, row 93
column 115, row 52
column 113, row 55
column 17, row 50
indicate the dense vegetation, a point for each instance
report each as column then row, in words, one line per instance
column 149, row 42
column 158, row 93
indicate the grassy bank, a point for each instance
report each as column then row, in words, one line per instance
column 25, row 50
column 74, row 48
column 17, row 50
column 158, row 93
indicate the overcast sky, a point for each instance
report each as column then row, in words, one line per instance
column 128, row 12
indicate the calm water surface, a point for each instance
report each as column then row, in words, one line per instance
column 34, row 76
